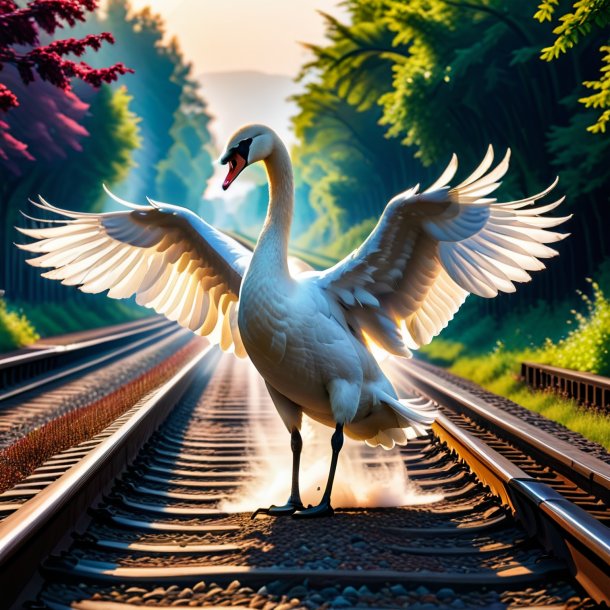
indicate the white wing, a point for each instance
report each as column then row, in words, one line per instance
column 404, row 284
column 172, row 260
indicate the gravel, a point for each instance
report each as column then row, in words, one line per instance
column 22, row 414
column 279, row 595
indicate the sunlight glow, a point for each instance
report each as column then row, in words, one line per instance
column 357, row 484
column 244, row 35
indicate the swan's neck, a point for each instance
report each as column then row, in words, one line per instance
column 272, row 247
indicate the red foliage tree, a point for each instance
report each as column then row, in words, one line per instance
column 46, row 125
column 20, row 45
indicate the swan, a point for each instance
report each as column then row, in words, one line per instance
column 310, row 333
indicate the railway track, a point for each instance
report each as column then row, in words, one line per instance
column 53, row 360
column 125, row 354
column 486, row 523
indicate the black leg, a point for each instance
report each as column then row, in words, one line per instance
column 294, row 501
column 324, row 509
column 296, row 444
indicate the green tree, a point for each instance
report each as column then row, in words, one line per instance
column 584, row 18
column 347, row 165
column 173, row 162
column 407, row 83
column 182, row 176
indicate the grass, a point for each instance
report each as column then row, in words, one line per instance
column 20, row 459
column 581, row 343
column 15, row 328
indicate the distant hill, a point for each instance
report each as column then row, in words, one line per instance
column 235, row 98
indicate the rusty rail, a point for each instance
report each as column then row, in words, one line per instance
column 587, row 389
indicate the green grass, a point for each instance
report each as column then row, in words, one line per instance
column 15, row 328
column 581, row 343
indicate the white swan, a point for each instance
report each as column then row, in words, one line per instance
column 309, row 334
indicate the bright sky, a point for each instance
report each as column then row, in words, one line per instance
column 226, row 35
column 242, row 35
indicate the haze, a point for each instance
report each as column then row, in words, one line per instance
column 242, row 34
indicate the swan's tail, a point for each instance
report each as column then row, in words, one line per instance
column 415, row 416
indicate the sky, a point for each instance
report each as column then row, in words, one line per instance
column 228, row 35
column 220, row 36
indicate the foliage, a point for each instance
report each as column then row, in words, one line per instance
column 114, row 136
column 15, row 329
column 400, row 85
column 20, row 459
column 21, row 27
column 69, row 172
column 585, row 348
column 348, row 168
column 183, row 174
column 77, row 315
column 21, row 47
column 585, row 17
column 601, row 99
column 46, row 126
column 350, row 240
column 579, row 343
column 173, row 162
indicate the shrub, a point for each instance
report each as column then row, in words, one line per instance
column 15, row 329
column 585, row 348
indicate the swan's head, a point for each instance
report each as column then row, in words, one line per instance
column 247, row 145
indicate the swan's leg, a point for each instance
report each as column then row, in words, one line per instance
column 296, row 444
column 294, row 501
column 324, row 509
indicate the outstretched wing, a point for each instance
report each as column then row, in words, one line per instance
column 429, row 250
column 172, row 260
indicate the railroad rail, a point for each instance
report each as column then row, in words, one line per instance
column 499, row 526
column 22, row 371
column 74, row 478
column 569, row 488
column 587, row 389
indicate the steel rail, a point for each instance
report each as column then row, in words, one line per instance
column 591, row 473
column 33, row 530
column 15, row 369
column 44, row 380
column 563, row 528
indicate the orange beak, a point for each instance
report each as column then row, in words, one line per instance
column 236, row 165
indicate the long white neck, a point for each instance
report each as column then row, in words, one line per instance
column 272, row 247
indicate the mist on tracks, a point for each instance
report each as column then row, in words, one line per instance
column 366, row 477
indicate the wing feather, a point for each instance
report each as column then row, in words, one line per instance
column 172, row 261
column 430, row 250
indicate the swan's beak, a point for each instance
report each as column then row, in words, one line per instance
column 236, row 165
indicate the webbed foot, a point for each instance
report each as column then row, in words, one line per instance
column 279, row 511
column 324, row 509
